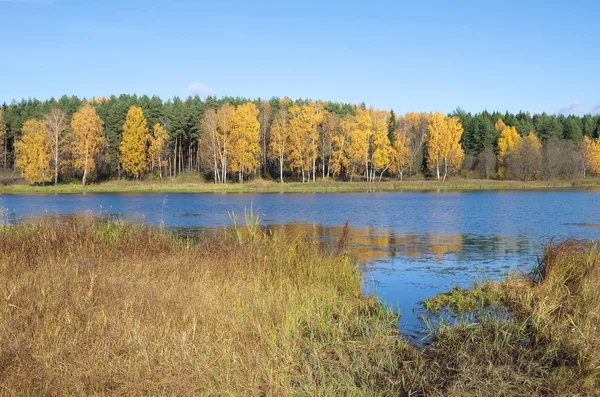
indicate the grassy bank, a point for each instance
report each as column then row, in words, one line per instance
column 192, row 185
column 116, row 309
column 95, row 308
column 548, row 345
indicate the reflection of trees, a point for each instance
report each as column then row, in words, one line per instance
column 442, row 245
column 368, row 245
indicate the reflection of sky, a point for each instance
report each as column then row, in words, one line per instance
column 413, row 244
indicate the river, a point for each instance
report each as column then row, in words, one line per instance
column 410, row 245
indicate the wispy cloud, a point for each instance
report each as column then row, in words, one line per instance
column 199, row 89
column 570, row 108
column 596, row 109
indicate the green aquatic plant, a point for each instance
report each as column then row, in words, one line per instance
column 252, row 229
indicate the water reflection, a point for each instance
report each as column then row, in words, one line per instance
column 410, row 245
column 404, row 269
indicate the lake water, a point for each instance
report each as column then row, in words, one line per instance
column 410, row 245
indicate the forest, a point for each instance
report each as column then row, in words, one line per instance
column 235, row 139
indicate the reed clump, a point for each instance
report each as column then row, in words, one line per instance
column 550, row 343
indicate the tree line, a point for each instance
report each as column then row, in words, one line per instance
column 224, row 139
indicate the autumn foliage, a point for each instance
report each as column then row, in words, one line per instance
column 134, row 146
column 88, row 141
column 33, row 152
column 236, row 140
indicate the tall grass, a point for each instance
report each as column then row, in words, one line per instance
column 549, row 346
column 110, row 308
column 91, row 308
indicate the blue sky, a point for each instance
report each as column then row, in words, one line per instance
column 408, row 56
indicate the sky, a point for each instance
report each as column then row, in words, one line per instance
column 534, row 56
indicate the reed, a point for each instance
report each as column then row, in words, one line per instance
column 550, row 343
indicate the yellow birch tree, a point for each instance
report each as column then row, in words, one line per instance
column 402, row 154
column 157, row 146
column 382, row 152
column 223, row 119
column 590, row 151
column 317, row 114
column 507, row 143
column 56, row 122
column 299, row 124
column 339, row 143
column 330, row 128
column 280, row 136
column 88, row 141
column 134, row 146
column 455, row 154
column 33, row 155
column 443, row 143
column 244, row 150
column 359, row 134
column 209, row 144
column 414, row 127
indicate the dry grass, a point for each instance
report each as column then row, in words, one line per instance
column 549, row 346
column 93, row 308
column 103, row 309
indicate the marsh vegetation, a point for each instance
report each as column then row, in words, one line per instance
column 112, row 308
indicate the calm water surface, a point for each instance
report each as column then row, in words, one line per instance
column 410, row 245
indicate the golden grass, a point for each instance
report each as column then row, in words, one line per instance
column 92, row 308
column 115, row 309
column 549, row 346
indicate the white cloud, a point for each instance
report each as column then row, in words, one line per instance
column 596, row 109
column 199, row 89
column 569, row 108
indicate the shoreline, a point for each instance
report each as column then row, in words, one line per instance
column 261, row 186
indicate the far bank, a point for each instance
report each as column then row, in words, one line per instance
column 264, row 186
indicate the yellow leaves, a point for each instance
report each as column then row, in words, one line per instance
column 359, row 133
column 88, row 141
column 157, row 145
column 520, row 158
column 500, row 126
column 437, row 133
column 443, row 144
column 304, row 135
column 33, row 152
column 134, row 146
column 382, row 151
column 414, row 125
column 402, row 154
column 97, row 101
column 456, row 154
column 339, row 142
column 280, row 135
column 224, row 115
column 590, row 150
column 508, row 143
column 244, row 150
